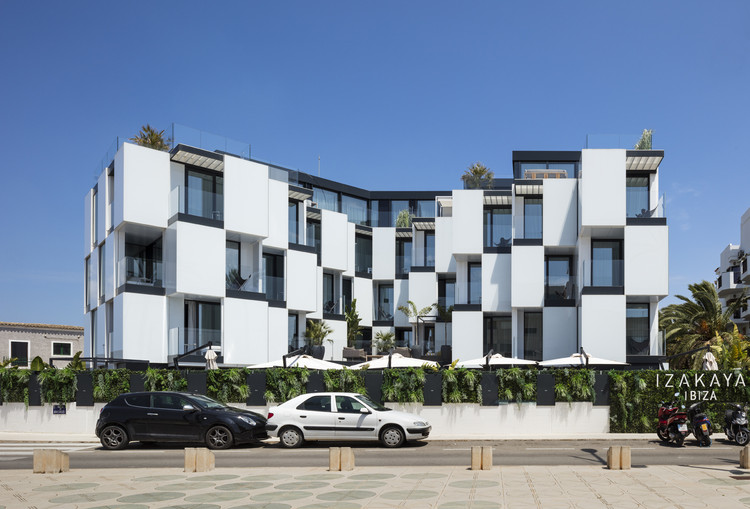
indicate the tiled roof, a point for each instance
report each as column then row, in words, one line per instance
column 40, row 326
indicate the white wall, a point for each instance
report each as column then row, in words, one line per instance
column 444, row 261
column 93, row 279
column 278, row 214
column 467, row 335
column 745, row 231
column 87, row 240
column 560, row 332
column 101, row 207
column 560, row 209
column 245, row 202
column 603, row 326
column 383, row 253
column 400, row 297
column 110, row 266
column 496, row 282
column 200, row 261
column 245, row 331
column 336, row 349
column 301, row 281
column 603, row 187
column 527, row 281
column 142, row 186
column 646, row 260
column 278, row 333
column 334, row 237
column 143, row 321
column 468, row 221
column 362, row 291
column 423, row 290
column 350, row 259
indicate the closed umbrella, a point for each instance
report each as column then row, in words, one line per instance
column 395, row 360
column 709, row 362
column 497, row 360
column 211, row 359
column 299, row 361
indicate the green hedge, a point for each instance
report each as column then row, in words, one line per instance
column 344, row 380
column 462, row 386
column 227, row 385
column 14, row 385
column 403, row 385
column 283, row 384
column 57, row 385
column 516, row 385
column 109, row 383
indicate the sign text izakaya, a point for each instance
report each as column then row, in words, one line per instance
column 701, row 386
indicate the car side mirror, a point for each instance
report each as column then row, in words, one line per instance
column 363, row 410
column 188, row 408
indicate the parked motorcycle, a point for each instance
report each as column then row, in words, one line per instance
column 700, row 423
column 735, row 424
column 673, row 425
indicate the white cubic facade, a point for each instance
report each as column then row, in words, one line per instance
column 187, row 247
column 733, row 274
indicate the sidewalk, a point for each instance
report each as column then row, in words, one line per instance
column 379, row 488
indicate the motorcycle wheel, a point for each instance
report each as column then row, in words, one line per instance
column 679, row 439
column 663, row 434
column 706, row 441
column 742, row 437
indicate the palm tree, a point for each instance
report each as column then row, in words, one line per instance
column 698, row 323
column 411, row 311
column 151, row 138
column 645, row 142
column 353, row 328
column 478, row 176
column 403, row 220
column 317, row 332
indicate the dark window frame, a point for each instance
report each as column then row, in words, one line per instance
column 621, row 259
column 469, row 266
column 640, row 305
column 210, row 173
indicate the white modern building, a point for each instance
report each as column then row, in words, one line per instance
column 733, row 276
column 190, row 246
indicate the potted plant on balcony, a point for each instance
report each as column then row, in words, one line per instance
column 353, row 327
column 384, row 341
column 315, row 333
column 151, row 138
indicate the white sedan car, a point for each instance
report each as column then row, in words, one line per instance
column 342, row 416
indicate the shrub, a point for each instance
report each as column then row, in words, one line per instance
column 110, row 383
column 403, row 385
column 462, row 386
column 227, row 385
column 344, row 380
column 283, row 384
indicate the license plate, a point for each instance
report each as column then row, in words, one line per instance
column 704, row 427
column 682, row 427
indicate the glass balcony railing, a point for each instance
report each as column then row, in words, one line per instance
column 383, row 312
column 403, row 264
column 140, row 271
column 604, row 273
column 274, row 288
column 188, row 338
column 560, row 289
column 196, row 203
column 659, row 210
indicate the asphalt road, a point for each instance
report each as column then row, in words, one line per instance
column 434, row 453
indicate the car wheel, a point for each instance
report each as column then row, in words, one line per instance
column 663, row 434
column 392, row 436
column 114, row 438
column 742, row 437
column 219, row 437
column 290, row 437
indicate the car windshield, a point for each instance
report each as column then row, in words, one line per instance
column 206, row 402
column 375, row 406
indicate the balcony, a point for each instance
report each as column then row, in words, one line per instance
column 744, row 273
column 134, row 272
column 603, row 277
column 199, row 204
column 729, row 283
column 186, row 339
column 560, row 291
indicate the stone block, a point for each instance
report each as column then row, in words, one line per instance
column 190, row 459
column 205, row 460
column 334, row 459
column 625, row 457
column 50, row 461
column 745, row 457
column 347, row 458
column 476, row 457
column 613, row 457
column 486, row 458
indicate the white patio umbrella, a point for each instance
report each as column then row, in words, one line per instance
column 299, row 361
column 709, row 362
column 495, row 360
column 579, row 360
column 211, row 359
column 395, row 360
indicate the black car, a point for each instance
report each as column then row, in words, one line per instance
column 176, row 417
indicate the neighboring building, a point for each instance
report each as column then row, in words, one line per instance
column 191, row 245
column 24, row 341
column 732, row 275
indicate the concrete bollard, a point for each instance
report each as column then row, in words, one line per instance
column 613, row 457
column 486, row 458
column 745, row 457
column 199, row 459
column 625, row 457
column 481, row 458
column 347, row 458
column 334, row 459
column 50, row 461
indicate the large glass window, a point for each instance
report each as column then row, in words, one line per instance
column 329, row 302
column 497, row 227
column 273, row 269
column 637, row 329
column 355, row 209
column 313, row 235
column 204, row 195
column 498, row 335
column 396, row 207
column 293, row 222
column 532, row 336
column 293, row 332
column 425, row 208
column 475, row 283
column 446, row 292
column 636, row 197
column 404, row 338
column 403, row 256
column 606, row 263
column 233, row 279
column 325, row 199
column 346, row 291
column 363, row 254
column 95, row 217
column 558, row 284
column 100, row 276
column 532, row 218
column 384, row 309
column 202, row 324
column 143, row 262
column 429, row 249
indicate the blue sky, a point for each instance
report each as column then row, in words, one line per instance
column 391, row 95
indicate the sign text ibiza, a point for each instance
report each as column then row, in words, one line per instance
column 701, row 386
